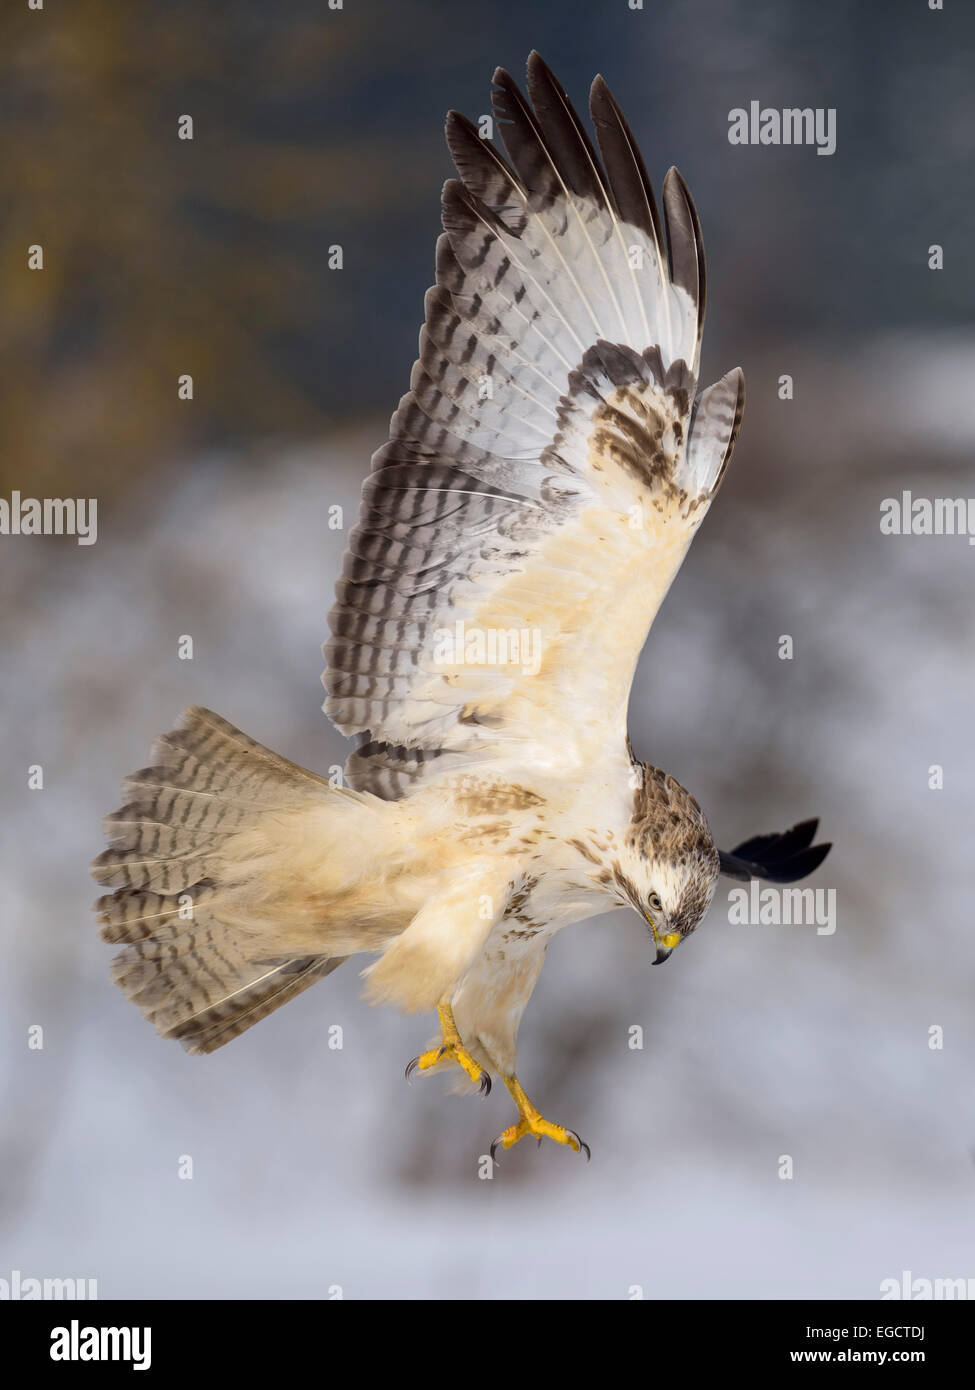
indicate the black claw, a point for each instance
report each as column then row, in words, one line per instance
column 581, row 1142
column 494, row 1146
column 485, row 1085
column 411, row 1067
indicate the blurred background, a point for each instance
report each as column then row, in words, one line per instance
column 315, row 1168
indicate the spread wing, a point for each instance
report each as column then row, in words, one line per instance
column 548, row 467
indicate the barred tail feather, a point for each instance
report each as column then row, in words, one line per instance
column 188, row 862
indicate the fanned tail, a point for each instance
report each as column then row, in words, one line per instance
column 188, row 861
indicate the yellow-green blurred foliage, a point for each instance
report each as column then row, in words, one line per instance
column 165, row 256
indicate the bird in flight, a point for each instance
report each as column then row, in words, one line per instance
column 543, row 478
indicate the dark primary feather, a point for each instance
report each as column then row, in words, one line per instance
column 685, row 243
column 571, row 148
column 784, row 857
column 485, row 171
column 524, row 140
column 628, row 178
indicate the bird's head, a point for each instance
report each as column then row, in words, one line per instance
column 670, row 865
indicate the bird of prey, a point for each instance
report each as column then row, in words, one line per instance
column 543, row 478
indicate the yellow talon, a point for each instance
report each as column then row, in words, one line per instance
column 451, row 1049
column 533, row 1123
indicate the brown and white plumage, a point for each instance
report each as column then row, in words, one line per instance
column 550, row 463
column 544, row 475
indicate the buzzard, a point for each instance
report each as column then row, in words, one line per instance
column 543, row 478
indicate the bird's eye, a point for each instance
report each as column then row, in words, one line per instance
column 655, row 903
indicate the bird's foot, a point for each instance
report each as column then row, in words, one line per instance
column 451, row 1052
column 451, row 1049
column 540, row 1128
column 533, row 1123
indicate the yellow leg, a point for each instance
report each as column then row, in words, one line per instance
column 532, row 1122
column 452, row 1049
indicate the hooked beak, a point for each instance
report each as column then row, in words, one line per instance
column 664, row 944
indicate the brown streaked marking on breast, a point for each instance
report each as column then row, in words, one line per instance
column 522, row 893
column 585, row 851
column 492, row 833
column 494, row 798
